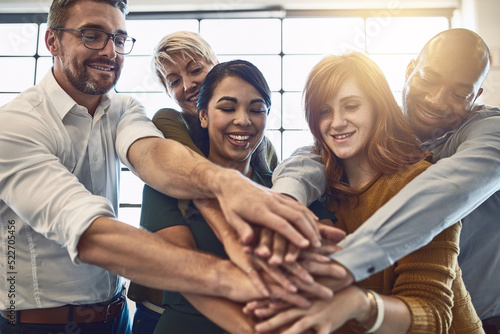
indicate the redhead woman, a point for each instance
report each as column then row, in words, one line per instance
column 370, row 153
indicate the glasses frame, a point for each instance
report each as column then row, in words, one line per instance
column 112, row 36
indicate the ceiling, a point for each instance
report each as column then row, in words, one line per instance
column 41, row 6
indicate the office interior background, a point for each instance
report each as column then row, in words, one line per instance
column 284, row 38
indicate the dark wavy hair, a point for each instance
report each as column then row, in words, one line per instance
column 246, row 71
column 392, row 145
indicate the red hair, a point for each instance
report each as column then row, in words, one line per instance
column 393, row 144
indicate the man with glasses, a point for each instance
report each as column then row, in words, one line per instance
column 62, row 142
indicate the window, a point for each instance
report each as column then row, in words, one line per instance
column 284, row 48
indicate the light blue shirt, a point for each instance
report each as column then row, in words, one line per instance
column 465, row 178
column 59, row 171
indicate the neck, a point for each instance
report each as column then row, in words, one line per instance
column 358, row 173
column 86, row 100
column 243, row 167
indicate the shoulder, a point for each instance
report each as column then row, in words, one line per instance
column 167, row 113
column 29, row 114
column 411, row 171
column 483, row 116
column 406, row 174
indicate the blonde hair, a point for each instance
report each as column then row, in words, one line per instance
column 185, row 43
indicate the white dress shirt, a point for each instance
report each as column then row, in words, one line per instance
column 59, row 171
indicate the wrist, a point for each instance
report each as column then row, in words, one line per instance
column 221, row 179
column 371, row 313
column 230, row 283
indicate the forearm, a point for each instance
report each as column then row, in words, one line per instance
column 301, row 176
column 176, row 170
column 442, row 195
column 224, row 313
column 214, row 217
column 148, row 260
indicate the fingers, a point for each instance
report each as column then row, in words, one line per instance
column 297, row 270
column 331, row 233
column 243, row 230
column 276, row 223
column 279, row 320
column 276, row 275
column 263, row 249
column 277, row 292
column 302, row 325
column 315, row 255
column 301, row 218
column 279, row 247
column 331, row 269
column 315, row 289
column 270, row 310
column 257, row 282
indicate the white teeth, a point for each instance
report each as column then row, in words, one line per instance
column 343, row 136
column 427, row 115
column 101, row 68
column 193, row 99
column 239, row 138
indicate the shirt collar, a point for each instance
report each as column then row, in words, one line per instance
column 61, row 100
column 430, row 144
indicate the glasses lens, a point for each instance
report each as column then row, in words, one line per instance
column 97, row 40
column 124, row 44
column 94, row 39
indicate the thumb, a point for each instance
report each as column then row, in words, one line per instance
column 243, row 230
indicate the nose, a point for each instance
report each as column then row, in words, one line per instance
column 436, row 99
column 241, row 117
column 109, row 49
column 189, row 84
column 338, row 120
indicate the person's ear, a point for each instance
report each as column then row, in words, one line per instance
column 203, row 118
column 410, row 68
column 52, row 42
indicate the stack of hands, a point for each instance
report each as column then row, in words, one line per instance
column 296, row 276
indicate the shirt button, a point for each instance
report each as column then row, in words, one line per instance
column 371, row 270
column 95, row 157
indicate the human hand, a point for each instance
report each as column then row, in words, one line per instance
column 332, row 274
column 324, row 316
column 244, row 202
column 278, row 250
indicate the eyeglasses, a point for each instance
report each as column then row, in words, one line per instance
column 97, row 40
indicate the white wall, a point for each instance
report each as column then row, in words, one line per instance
column 481, row 16
column 488, row 27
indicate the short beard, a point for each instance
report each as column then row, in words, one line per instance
column 84, row 83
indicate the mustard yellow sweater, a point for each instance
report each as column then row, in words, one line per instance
column 429, row 280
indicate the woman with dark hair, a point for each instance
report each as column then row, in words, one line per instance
column 369, row 154
column 181, row 61
column 233, row 103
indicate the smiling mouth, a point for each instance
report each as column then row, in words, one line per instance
column 239, row 138
column 428, row 115
column 193, row 98
column 108, row 69
column 343, row 136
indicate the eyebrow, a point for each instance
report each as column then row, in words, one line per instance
column 100, row 27
column 350, row 97
column 228, row 98
column 235, row 100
